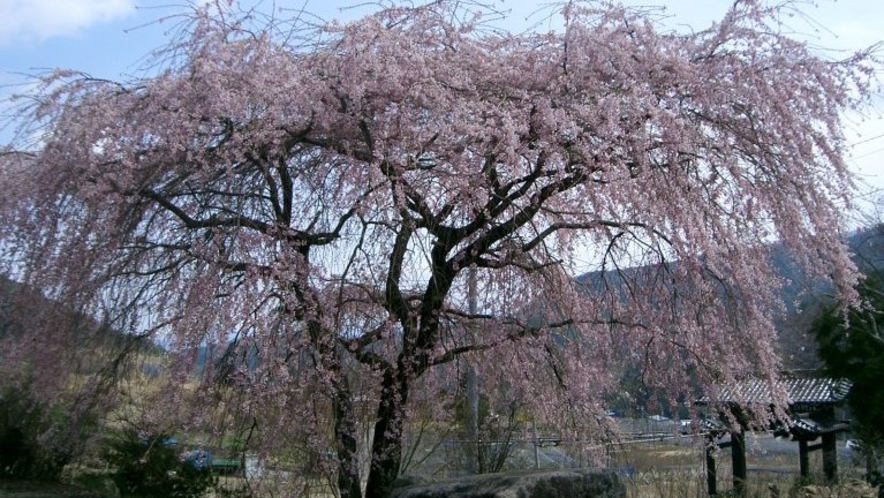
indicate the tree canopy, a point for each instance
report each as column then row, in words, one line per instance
column 308, row 201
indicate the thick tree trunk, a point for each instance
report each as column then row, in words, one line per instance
column 349, row 484
column 386, row 449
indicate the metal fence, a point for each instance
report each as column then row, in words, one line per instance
column 641, row 448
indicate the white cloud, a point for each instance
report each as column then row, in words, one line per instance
column 36, row 20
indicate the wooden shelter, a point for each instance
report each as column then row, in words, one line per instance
column 814, row 411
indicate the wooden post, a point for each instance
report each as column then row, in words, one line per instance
column 803, row 460
column 738, row 456
column 711, row 474
column 830, row 457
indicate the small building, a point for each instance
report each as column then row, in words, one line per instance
column 815, row 410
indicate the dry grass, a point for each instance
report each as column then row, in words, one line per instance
column 676, row 468
column 690, row 484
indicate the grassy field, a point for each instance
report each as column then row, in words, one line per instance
column 676, row 468
column 671, row 467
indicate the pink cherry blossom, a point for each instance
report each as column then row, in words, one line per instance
column 312, row 196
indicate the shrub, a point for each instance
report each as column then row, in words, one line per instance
column 149, row 466
column 35, row 441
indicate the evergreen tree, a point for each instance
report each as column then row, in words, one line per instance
column 851, row 344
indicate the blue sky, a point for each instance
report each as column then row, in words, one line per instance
column 109, row 39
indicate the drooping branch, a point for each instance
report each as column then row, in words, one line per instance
column 521, row 332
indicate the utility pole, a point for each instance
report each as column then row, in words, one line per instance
column 472, row 388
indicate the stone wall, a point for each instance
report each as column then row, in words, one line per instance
column 563, row 483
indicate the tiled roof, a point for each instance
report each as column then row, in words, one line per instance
column 811, row 426
column 818, row 390
column 796, row 426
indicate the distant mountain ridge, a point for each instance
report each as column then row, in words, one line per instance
column 802, row 299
